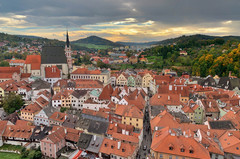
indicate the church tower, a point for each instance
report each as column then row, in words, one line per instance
column 68, row 53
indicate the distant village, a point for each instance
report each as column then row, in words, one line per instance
column 88, row 112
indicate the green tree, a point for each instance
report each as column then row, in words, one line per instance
column 63, row 109
column 12, row 102
column 4, row 64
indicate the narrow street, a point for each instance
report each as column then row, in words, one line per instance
column 144, row 150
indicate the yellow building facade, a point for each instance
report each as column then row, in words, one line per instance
column 146, row 80
column 136, row 122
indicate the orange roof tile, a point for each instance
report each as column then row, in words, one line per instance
column 58, row 116
column 86, row 71
column 165, row 99
column 111, row 147
column 52, row 72
column 129, row 111
column 106, row 93
column 163, row 140
column 34, row 60
column 32, row 108
column 18, row 131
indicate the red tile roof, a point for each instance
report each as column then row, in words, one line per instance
column 94, row 113
column 230, row 142
column 118, row 127
column 165, row 99
column 86, row 71
column 18, row 131
column 34, row 60
column 32, row 108
column 57, row 136
column 106, row 93
column 163, row 140
column 10, row 70
column 129, row 111
column 42, row 102
column 52, row 72
column 17, row 61
column 111, row 147
column 58, row 116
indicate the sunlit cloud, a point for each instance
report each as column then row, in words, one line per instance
column 122, row 20
column 127, row 20
column 227, row 22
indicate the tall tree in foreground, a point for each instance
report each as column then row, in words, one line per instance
column 12, row 102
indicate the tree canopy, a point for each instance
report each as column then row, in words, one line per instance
column 12, row 102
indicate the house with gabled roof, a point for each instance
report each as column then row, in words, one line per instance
column 42, row 118
column 78, row 97
column 32, row 65
column 53, row 143
column 130, row 115
column 168, row 143
column 52, row 74
column 117, row 149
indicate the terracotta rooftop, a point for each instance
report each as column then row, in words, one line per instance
column 129, row 111
column 165, row 142
column 111, row 147
column 32, row 108
column 34, row 60
column 52, row 72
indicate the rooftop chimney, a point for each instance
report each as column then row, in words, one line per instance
column 127, row 132
column 208, row 133
column 119, row 144
column 94, row 137
column 210, row 104
column 168, row 97
column 170, row 87
column 42, row 128
column 123, row 131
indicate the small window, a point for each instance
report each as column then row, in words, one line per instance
column 190, row 151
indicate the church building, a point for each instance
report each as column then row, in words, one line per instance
column 57, row 56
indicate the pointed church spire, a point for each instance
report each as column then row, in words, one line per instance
column 67, row 40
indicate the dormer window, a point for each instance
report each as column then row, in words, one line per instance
column 123, row 150
column 171, row 147
column 182, row 148
column 112, row 146
column 190, row 149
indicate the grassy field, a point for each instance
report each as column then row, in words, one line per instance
column 93, row 46
column 11, row 147
column 6, row 155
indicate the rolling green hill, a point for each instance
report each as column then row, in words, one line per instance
column 95, row 42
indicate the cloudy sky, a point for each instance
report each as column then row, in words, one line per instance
column 120, row 20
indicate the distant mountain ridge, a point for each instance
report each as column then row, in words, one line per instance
column 185, row 38
column 95, row 40
column 30, row 36
column 138, row 44
column 182, row 38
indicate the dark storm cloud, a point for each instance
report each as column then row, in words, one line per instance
column 81, row 12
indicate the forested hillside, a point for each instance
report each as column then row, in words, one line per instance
column 205, row 55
